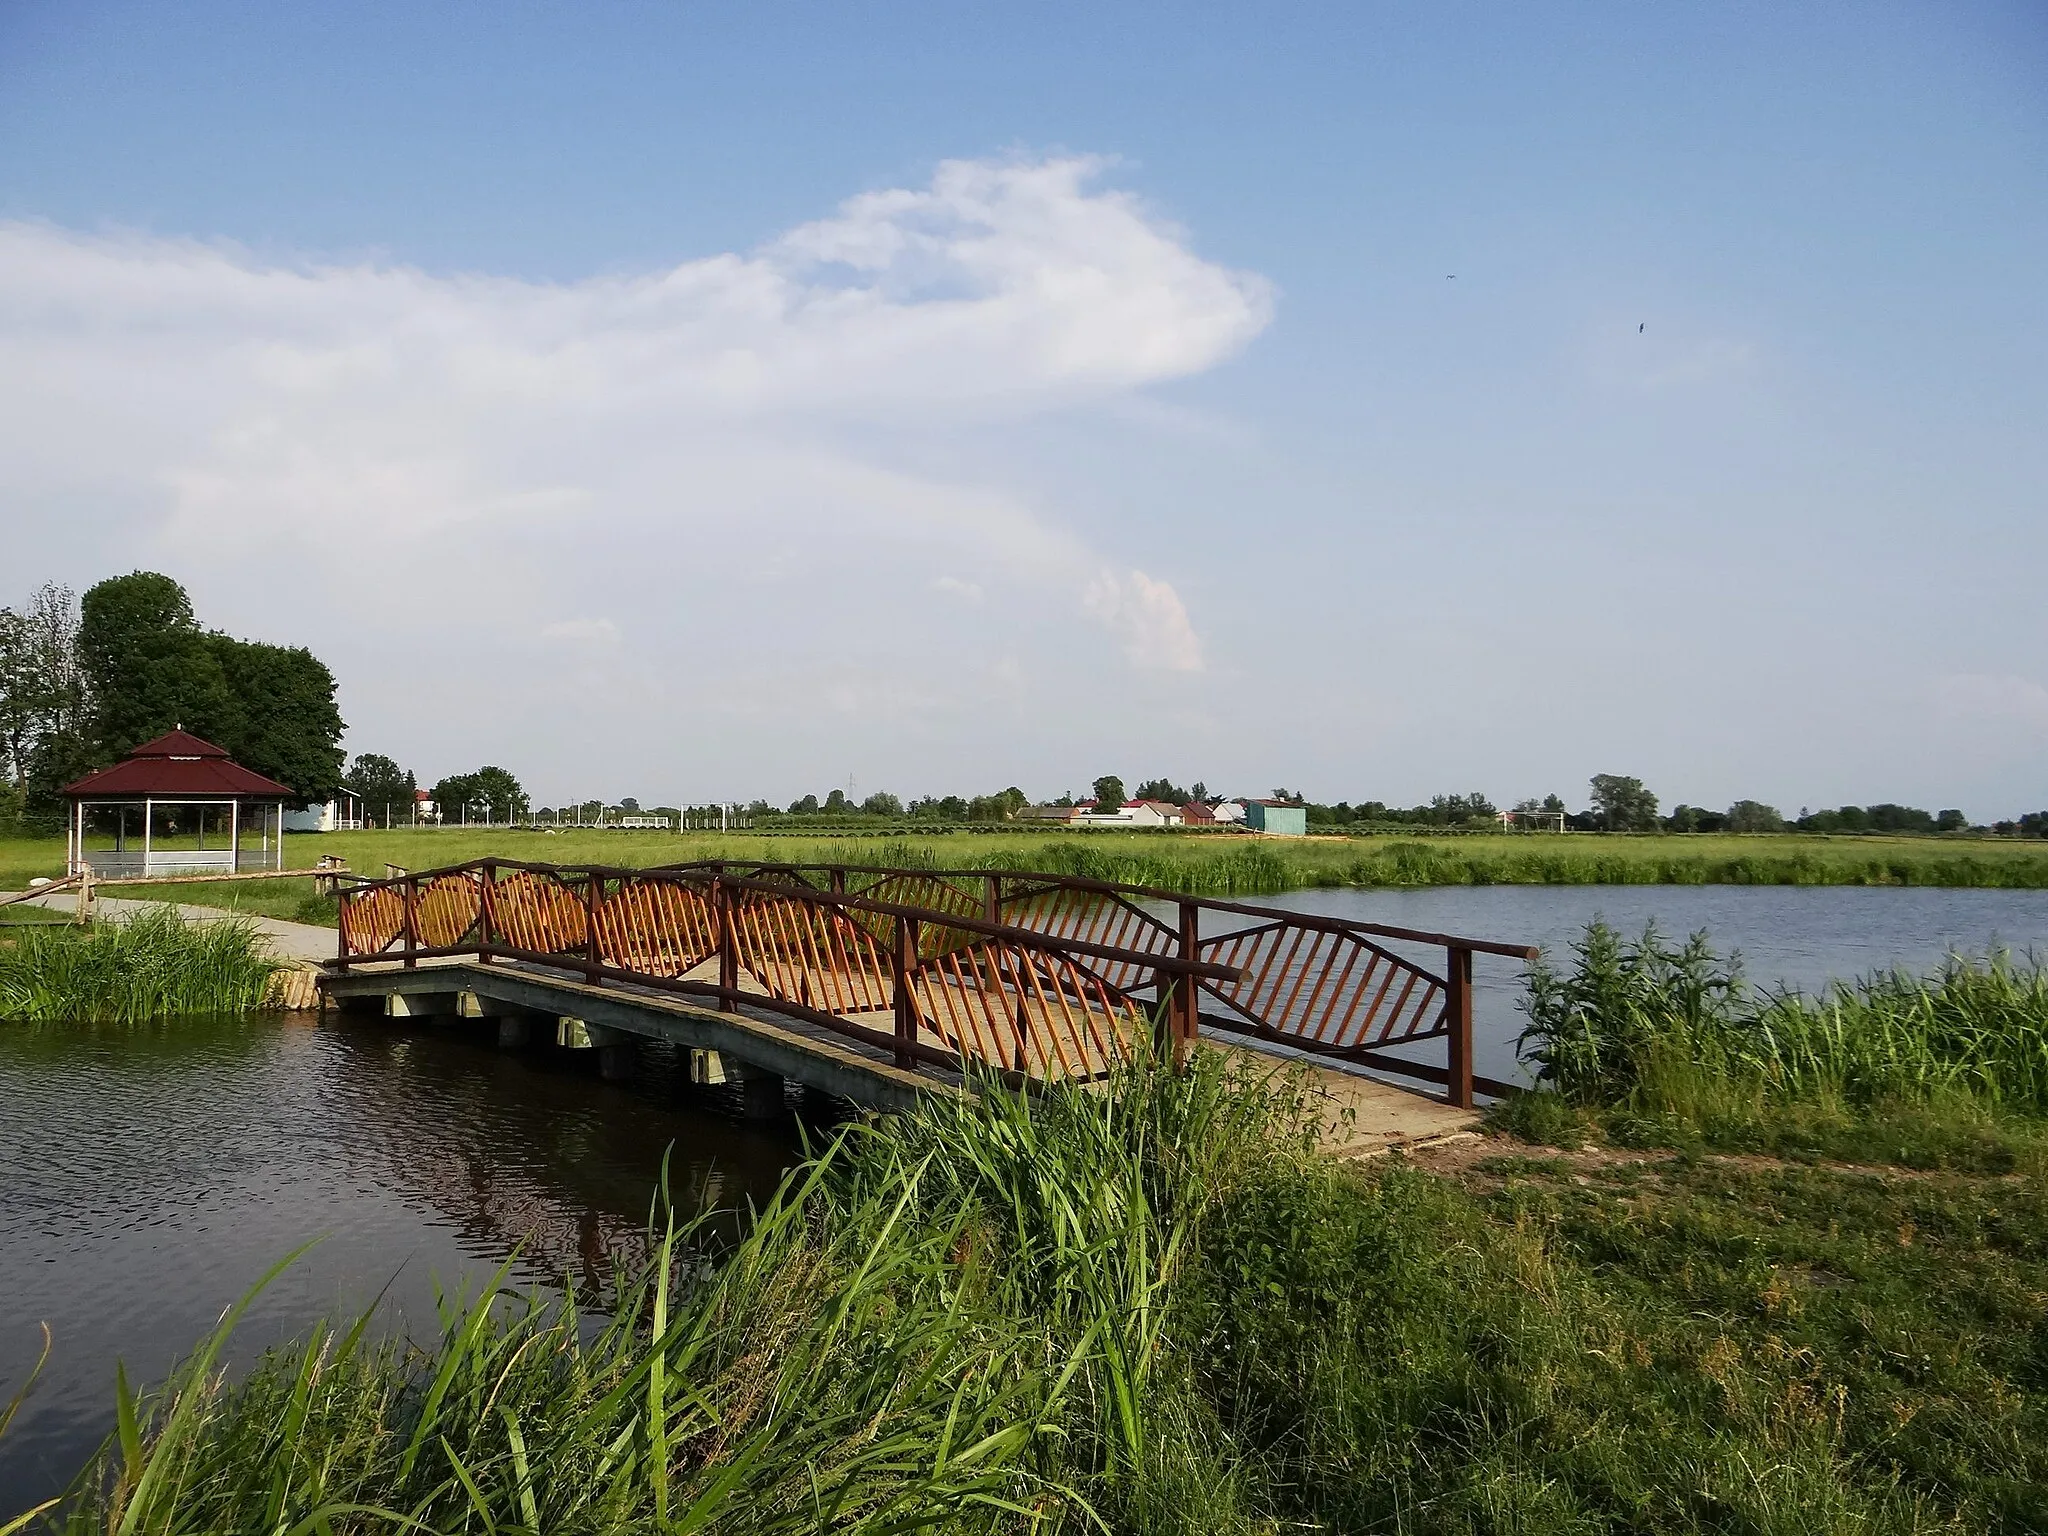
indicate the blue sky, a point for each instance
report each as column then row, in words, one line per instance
column 691, row 401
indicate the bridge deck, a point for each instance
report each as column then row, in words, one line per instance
column 1362, row 1116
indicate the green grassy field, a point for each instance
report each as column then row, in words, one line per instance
column 1202, row 864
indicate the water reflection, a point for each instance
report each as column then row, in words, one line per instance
column 148, row 1177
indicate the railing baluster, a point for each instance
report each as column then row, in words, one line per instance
column 1458, row 1014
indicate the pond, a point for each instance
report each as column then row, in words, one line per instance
column 149, row 1176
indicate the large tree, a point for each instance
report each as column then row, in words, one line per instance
column 1622, row 804
column 148, row 665
column 1109, row 792
column 281, row 719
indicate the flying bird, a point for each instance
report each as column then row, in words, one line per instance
column 1642, row 328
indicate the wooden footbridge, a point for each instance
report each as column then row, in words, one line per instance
column 877, row 984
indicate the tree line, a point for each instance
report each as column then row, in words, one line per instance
column 85, row 680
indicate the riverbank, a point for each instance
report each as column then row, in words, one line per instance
column 1199, row 864
column 1156, row 1310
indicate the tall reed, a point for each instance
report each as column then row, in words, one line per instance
column 1628, row 1009
column 148, row 966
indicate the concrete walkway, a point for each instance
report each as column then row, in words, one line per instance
column 288, row 941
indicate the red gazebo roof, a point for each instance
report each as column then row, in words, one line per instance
column 177, row 764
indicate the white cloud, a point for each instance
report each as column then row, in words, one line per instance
column 1150, row 619
column 737, row 442
column 582, row 632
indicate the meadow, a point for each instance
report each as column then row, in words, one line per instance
column 1206, row 864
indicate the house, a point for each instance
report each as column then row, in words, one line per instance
column 1196, row 813
column 1275, row 818
column 1228, row 812
column 1055, row 815
column 424, row 809
column 343, row 813
column 1132, row 813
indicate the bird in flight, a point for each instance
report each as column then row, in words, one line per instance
column 1642, row 328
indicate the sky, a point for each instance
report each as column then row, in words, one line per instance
column 696, row 401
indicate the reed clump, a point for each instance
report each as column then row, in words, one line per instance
column 1673, row 1033
column 149, row 966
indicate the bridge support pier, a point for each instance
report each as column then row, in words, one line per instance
column 760, row 1091
column 515, row 1033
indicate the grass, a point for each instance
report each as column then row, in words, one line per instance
column 148, row 966
column 1205, row 864
column 1157, row 1311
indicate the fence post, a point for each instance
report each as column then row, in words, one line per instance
column 1187, row 1009
column 486, row 910
column 728, row 957
column 838, row 881
column 992, row 899
column 340, row 937
column 591, row 959
column 1458, row 1014
column 905, row 962
column 412, row 921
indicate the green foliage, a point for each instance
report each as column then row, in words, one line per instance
column 1623, row 804
column 1109, row 792
column 279, row 718
column 152, row 965
column 382, row 783
column 489, row 791
column 147, row 667
column 1164, row 790
column 1748, row 816
column 1633, row 1019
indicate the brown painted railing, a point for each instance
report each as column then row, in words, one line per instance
column 1041, row 976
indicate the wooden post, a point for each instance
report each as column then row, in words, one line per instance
column 728, row 950
column 412, row 921
column 1187, row 1009
column 486, row 910
column 340, row 936
column 904, row 967
column 591, row 958
column 992, row 899
column 1458, row 1015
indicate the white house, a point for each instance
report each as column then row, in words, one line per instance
column 344, row 813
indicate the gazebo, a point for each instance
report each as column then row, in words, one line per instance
column 152, row 813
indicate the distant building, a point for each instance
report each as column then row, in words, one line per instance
column 1197, row 814
column 1228, row 812
column 344, row 813
column 1276, row 819
column 423, row 807
column 1059, row 815
column 659, row 823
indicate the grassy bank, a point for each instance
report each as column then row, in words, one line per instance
column 145, row 967
column 1200, row 864
column 1155, row 1311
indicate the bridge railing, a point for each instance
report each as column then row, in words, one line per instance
column 927, row 984
column 1034, row 974
column 1321, row 985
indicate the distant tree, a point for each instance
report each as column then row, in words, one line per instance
column 492, row 792
column 382, row 784
column 1289, row 797
column 629, row 805
column 1899, row 818
column 1622, row 804
column 882, row 803
column 1456, row 810
column 1162, row 789
column 1754, row 816
column 807, row 806
column 1951, row 821
column 1109, row 792
column 1000, row 806
column 148, row 666
column 1066, row 799
column 2033, row 824
column 1551, row 803
column 1692, row 818
column 1199, row 792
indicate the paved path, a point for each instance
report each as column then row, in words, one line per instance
column 288, row 941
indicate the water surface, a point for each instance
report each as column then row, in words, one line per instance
column 148, row 1176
